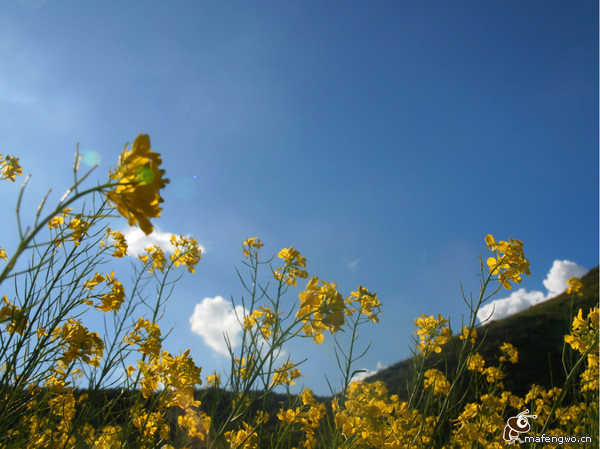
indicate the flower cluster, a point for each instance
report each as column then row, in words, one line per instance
column 76, row 224
column 293, row 268
column 79, row 343
column 433, row 334
column 436, row 381
column 584, row 338
column 468, row 333
column 286, row 375
column 251, row 244
column 118, row 243
column 187, row 252
column 15, row 316
column 307, row 417
column 368, row 304
column 9, row 167
column 110, row 301
column 264, row 317
column 575, row 286
column 136, row 194
column 322, row 308
column 509, row 353
column 157, row 257
column 509, row 261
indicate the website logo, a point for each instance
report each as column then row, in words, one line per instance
column 517, row 425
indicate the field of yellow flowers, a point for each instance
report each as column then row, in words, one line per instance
column 55, row 371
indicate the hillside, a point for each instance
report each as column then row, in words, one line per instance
column 537, row 332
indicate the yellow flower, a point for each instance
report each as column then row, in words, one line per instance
column 187, row 252
column 475, row 362
column 493, row 374
column 289, row 273
column 509, row 262
column 584, row 331
column 56, row 222
column 433, row 334
column 252, row 242
column 214, row 380
column 16, row 315
column 468, row 334
column 321, row 308
column 286, row 375
column 79, row 227
column 114, row 299
column 158, row 259
column 139, row 181
column 369, row 304
column 79, row 343
column 9, row 167
column 436, row 379
column 575, row 286
column 119, row 243
column 3, row 254
column 509, row 353
column 98, row 278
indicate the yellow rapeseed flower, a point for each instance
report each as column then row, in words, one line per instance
column 475, row 362
column 139, row 181
column 436, row 379
column 509, row 353
column 119, row 243
column 9, row 167
column 286, row 375
column 250, row 243
column 575, row 286
column 292, row 269
column 433, row 334
column 3, row 254
column 187, row 252
column 509, row 262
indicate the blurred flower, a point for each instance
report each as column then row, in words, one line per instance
column 9, row 167
column 252, row 242
column 468, row 334
column 575, row 286
column 509, row 353
column 286, row 375
column 475, row 362
column 436, row 379
column 139, row 181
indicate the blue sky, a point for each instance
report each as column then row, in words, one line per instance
column 383, row 141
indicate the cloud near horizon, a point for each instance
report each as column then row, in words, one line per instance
column 359, row 377
column 555, row 283
column 137, row 241
column 213, row 318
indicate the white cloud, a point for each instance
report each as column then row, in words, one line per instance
column 353, row 265
column 555, row 283
column 559, row 274
column 363, row 375
column 517, row 301
column 215, row 317
column 137, row 241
